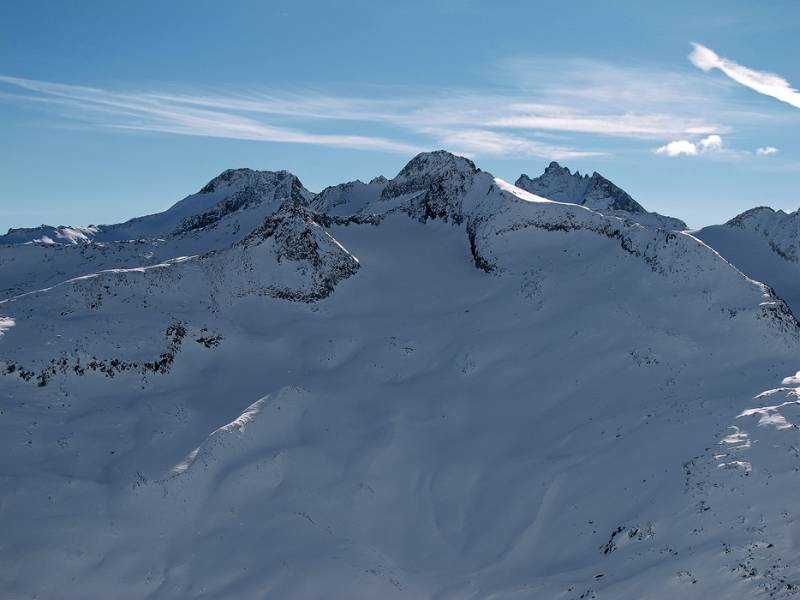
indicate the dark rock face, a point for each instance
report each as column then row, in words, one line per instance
column 440, row 178
column 596, row 192
column 601, row 191
column 295, row 237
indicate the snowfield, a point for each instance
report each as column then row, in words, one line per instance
column 433, row 386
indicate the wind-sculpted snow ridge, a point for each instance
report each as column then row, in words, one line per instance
column 764, row 244
column 595, row 192
column 492, row 228
column 779, row 229
column 503, row 396
column 262, row 426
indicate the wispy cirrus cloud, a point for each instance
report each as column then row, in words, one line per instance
column 158, row 113
column 254, row 117
column 645, row 126
column 470, row 142
column 566, row 109
column 762, row 82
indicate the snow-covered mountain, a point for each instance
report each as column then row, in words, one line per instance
column 234, row 190
column 223, row 212
column 595, row 192
column 433, row 386
column 765, row 244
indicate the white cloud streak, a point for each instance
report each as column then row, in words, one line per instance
column 762, row 82
column 626, row 125
column 150, row 112
column 239, row 117
column 470, row 142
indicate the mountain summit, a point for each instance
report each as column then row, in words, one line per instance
column 595, row 192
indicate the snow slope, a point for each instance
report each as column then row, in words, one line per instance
column 595, row 192
column 225, row 210
column 443, row 387
column 764, row 244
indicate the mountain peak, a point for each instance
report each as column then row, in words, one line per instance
column 595, row 192
column 244, row 176
column 227, row 177
column 556, row 169
column 439, row 179
column 749, row 215
column 602, row 193
column 244, row 188
column 438, row 161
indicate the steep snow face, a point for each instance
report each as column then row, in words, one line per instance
column 595, row 192
column 502, row 396
column 348, row 198
column 765, row 244
column 779, row 229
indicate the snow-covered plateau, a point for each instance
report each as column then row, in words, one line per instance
column 439, row 385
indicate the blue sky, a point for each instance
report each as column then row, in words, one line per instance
column 110, row 110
